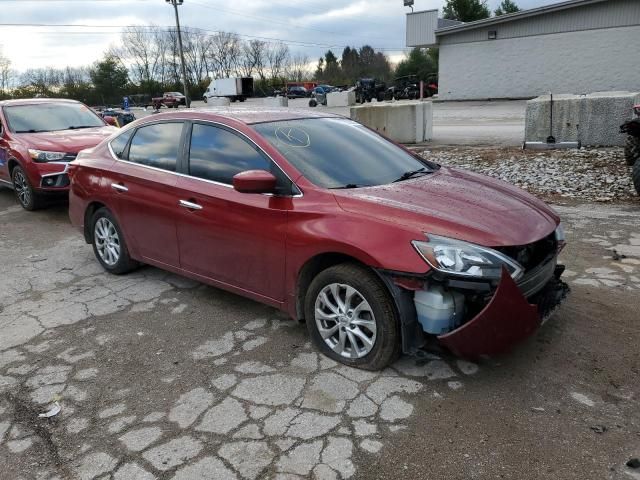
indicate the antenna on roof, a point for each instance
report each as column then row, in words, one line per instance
column 409, row 3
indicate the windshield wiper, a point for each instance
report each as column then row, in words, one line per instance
column 32, row 130
column 78, row 127
column 348, row 186
column 411, row 174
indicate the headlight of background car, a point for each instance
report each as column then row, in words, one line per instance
column 42, row 156
column 456, row 257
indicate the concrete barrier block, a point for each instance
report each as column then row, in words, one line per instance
column 218, row 101
column 404, row 122
column 276, row 102
column 341, row 99
column 592, row 119
column 428, row 121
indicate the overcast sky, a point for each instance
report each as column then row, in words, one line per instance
column 335, row 23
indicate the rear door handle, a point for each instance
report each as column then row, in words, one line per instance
column 189, row 205
column 119, row 187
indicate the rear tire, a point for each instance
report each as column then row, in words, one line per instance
column 109, row 245
column 360, row 328
column 205, row 99
column 635, row 175
column 632, row 150
column 25, row 193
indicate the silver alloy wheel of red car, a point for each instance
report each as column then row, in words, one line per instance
column 22, row 188
column 107, row 241
column 345, row 320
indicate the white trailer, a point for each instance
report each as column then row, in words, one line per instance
column 235, row 89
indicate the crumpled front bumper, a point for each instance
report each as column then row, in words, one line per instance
column 506, row 320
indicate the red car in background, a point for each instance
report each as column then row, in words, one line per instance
column 377, row 249
column 38, row 139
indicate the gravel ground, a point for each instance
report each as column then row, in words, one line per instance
column 162, row 378
column 587, row 174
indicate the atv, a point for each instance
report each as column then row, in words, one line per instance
column 369, row 88
column 632, row 146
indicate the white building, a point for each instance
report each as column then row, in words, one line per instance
column 576, row 46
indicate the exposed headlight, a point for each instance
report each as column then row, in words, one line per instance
column 42, row 156
column 456, row 257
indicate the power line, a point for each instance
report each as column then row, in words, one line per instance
column 269, row 19
column 299, row 43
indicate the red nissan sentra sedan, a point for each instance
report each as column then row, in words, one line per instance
column 377, row 249
column 38, row 139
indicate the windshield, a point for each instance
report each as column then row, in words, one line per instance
column 340, row 153
column 50, row 117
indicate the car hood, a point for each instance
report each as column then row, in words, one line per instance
column 69, row 141
column 457, row 204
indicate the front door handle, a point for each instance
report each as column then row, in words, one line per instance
column 119, row 187
column 189, row 205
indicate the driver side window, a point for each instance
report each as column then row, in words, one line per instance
column 217, row 154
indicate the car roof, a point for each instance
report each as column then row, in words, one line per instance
column 246, row 115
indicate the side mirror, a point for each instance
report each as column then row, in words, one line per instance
column 254, row 181
column 111, row 121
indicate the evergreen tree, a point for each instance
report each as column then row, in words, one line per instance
column 507, row 6
column 466, row 10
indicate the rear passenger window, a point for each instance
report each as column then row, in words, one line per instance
column 217, row 154
column 119, row 144
column 157, row 145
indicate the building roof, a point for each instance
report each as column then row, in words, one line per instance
column 522, row 14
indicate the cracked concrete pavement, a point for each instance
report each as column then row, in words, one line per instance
column 162, row 377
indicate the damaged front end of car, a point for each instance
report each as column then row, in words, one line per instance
column 478, row 301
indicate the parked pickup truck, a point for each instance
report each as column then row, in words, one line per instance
column 169, row 100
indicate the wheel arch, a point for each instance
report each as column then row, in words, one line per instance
column 11, row 164
column 312, row 268
column 92, row 208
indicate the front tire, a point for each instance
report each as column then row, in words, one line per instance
column 25, row 193
column 351, row 317
column 632, row 150
column 635, row 175
column 109, row 245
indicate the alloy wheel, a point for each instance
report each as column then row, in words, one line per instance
column 345, row 320
column 107, row 241
column 22, row 188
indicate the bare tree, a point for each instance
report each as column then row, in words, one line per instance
column 139, row 49
column 297, row 68
column 5, row 73
column 197, row 48
column 277, row 57
column 253, row 58
column 225, row 53
column 44, row 81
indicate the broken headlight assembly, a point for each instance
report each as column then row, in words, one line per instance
column 42, row 156
column 455, row 257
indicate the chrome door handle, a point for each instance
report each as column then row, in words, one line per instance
column 189, row 205
column 119, row 187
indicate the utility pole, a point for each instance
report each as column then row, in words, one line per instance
column 175, row 4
